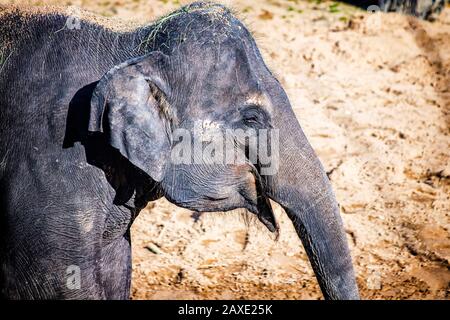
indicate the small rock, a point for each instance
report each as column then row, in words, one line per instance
column 153, row 248
column 266, row 15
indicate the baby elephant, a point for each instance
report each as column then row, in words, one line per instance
column 96, row 122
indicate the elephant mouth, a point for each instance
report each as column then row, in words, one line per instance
column 267, row 217
column 262, row 207
column 244, row 189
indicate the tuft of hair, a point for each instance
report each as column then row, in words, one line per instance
column 218, row 15
column 248, row 219
column 33, row 13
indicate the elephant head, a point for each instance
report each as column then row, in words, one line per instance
column 206, row 75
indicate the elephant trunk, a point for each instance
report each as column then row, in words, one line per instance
column 302, row 188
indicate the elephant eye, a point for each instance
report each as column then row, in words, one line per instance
column 254, row 116
column 251, row 120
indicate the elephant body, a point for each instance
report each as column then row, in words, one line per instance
column 86, row 123
column 56, row 208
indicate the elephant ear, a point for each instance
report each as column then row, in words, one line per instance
column 127, row 107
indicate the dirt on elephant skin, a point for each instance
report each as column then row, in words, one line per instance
column 372, row 93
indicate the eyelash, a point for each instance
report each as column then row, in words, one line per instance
column 252, row 116
column 251, row 119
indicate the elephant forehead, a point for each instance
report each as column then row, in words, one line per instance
column 207, row 127
column 208, row 124
column 261, row 100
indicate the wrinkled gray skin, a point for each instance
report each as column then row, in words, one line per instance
column 424, row 9
column 86, row 126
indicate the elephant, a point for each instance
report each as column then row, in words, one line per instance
column 423, row 9
column 89, row 121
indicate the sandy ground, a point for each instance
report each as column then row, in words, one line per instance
column 372, row 92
